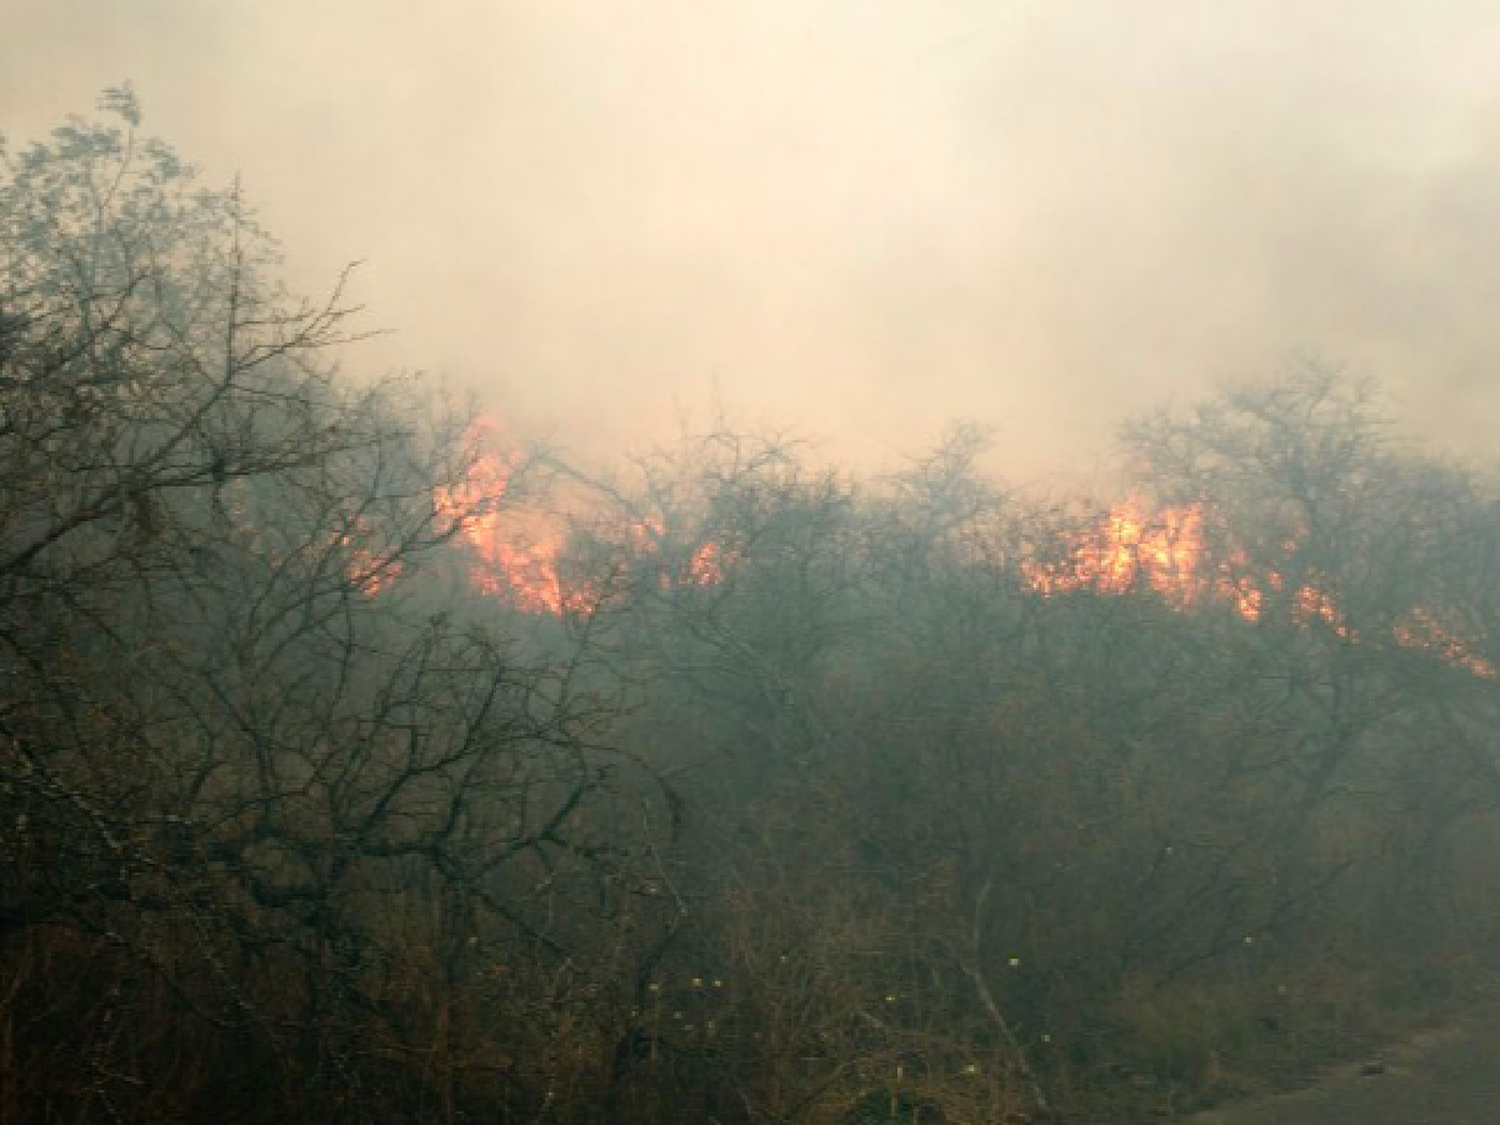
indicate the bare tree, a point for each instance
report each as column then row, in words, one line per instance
column 263, row 797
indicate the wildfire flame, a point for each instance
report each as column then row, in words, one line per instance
column 1420, row 630
column 709, row 563
column 1128, row 549
column 369, row 572
column 521, row 556
column 503, row 561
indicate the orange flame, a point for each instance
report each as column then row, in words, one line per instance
column 369, row 572
column 1127, row 550
column 1421, row 630
column 520, row 556
column 708, row 564
column 499, row 565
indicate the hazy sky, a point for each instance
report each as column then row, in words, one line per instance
column 862, row 218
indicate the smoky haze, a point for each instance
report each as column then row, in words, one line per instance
column 861, row 219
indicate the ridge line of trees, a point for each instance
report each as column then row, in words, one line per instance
column 854, row 825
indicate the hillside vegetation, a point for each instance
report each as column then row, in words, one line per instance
column 802, row 798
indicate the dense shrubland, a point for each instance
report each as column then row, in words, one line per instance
column 811, row 805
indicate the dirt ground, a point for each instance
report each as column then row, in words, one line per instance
column 1449, row 1076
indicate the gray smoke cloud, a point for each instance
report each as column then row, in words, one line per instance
column 862, row 218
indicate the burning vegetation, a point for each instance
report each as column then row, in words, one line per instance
column 746, row 791
column 1129, row 548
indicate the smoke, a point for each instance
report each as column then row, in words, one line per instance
column 862, row 218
